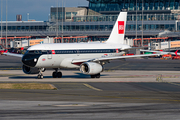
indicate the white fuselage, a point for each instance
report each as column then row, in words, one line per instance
column 62, row 54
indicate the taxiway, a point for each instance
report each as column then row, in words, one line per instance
column 134, row 89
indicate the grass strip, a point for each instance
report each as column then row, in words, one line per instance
column 32, row 86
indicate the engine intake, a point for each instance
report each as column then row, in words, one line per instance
column 30, row 70
column 91, row 68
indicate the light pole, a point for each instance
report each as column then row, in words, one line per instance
column 1, row 19
column 6, row 24
column 62, row 22
column 142, row 23
column 136, row 19
column 57, row 22
column 49, row 18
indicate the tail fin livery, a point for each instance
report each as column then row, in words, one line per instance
column 176, row 52
column 118, row 31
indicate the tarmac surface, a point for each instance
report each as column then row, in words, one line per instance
column 152, row 64
column 135, row 89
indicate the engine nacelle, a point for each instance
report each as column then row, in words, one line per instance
column 30, row 70
column 91, row 68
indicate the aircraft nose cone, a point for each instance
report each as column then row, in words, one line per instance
column 30, row 60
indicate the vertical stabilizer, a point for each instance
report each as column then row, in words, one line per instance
column 118, row 31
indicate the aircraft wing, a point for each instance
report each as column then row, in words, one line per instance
column 161, row 52
column 13, row 54
column 79, row 61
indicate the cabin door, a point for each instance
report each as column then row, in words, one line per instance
column 49, row 54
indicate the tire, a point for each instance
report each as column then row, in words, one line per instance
column 40, row 76
column 92, row 76
column 54, row 74
column 59, row 75
column 98, row 75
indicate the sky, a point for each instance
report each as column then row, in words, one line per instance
column 38, row 10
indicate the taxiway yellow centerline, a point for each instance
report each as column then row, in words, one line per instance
column 89, row 86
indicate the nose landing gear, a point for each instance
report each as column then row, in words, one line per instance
column 40, row 75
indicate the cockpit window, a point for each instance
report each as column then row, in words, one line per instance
column 33, row 52
column 26, row 52
column 38, row 52
column 44, row 51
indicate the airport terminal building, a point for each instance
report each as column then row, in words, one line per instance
column 96, row 21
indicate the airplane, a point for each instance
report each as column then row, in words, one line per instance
column 88, row 57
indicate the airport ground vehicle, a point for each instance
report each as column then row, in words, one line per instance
column 176, row 57
column 166, row 57
column 2, row 49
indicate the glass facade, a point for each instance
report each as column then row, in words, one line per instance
column 25, row 28
column 104, row 23
column 58, row 13
column 129, row 27
column 152, row 22
column 117, row 5
column 70, row 15
column 130, row 17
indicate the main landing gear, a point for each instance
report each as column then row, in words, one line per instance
column 96, row 76
column 56, row 74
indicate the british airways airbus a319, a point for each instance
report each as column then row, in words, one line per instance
column 88, row 57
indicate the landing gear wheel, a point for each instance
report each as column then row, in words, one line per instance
column 54, row 74
column 92, row 76
column 96, row 76
column 40, row 76
column 59, row 75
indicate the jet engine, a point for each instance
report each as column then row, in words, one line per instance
column 91, row 68
column 30, row 70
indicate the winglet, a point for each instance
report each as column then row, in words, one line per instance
column 118, row 31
